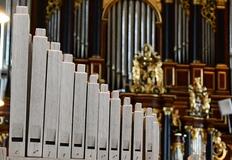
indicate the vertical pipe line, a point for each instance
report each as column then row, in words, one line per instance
column 153, row 30
column 108, row 55
column 79, row 10
column 119, row 38
column 143, row 16
column 148, row 24
column 179, row 34
column 58, row 27
column 130, row 39
column 137, row 26
column 183, row 36
column 176, row 30
column 113, row 51
column 82, row 29
column 124, row 43
column 86, row 28
column 75, row 34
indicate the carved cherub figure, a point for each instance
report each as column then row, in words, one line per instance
column 199, row 99
column 147, row 72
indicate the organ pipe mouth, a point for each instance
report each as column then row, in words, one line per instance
column 4, row 17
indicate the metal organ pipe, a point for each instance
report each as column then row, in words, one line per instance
column 124, row 43
column 83, row 13
column 86, row 28
column 77, row 53
column 179, row 34
column 53, row 23
column 108, row 63
column 119, row 38
column 113, row 49
column 137, row 27
column 75, row 31
column 153, row 30
column 176, row 32
column 143, row 19
column 181, row 48
column 148, row 24
column 130, row 39
column 183, row 37
column 131, row 24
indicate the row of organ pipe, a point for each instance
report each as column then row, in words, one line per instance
column 131, row 24
column 181, row 48
column 80, row 35
column 53, row 19
column 59, row 112
column 208, row 43
column 181, row 34
column 53, row 26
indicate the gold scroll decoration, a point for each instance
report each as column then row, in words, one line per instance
column 186, row 6
column 219, row 147
column 199, row 99
column 147, row 72
column 208, row 11
column 52, row 6
column 221, row 4
column 155, row 5
column 77, row 4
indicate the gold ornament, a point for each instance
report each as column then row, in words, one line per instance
column 219, row 147
column 147, row 72
column 208, row 11
column 186, row 6
column 52, row 6
column 199, row 99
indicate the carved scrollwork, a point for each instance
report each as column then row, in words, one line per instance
column 186, row 6
column 77, row 4
column 52, row 6
column 208, row 11
column 219, row 147
column 3, row 138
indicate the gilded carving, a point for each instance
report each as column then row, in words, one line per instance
column 176, row 122
column 52, row 6
column 221, row 4
column 199, row 99
column 208, row 11
column 147, row 72
column 186, row 6
column 3, row 137
column 219, row 147
column 77, row 4
column 196, row 132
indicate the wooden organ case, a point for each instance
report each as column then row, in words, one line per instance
column 193, row 48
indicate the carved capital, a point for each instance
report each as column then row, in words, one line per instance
column 167, row 110
column 221, row 4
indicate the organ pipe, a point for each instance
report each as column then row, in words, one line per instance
column 131, row 24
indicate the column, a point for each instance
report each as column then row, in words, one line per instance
column 221, row 33
column 209, row 145
column 168, row 30
column 166, row 153
column 195, row 33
